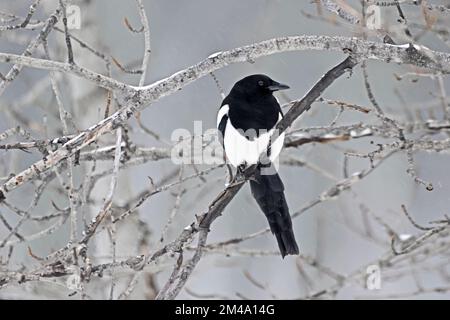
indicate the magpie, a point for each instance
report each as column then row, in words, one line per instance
column 246, row 122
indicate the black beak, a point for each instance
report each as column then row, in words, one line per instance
column 277, row 86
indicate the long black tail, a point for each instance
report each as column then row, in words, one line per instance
column 268, row 190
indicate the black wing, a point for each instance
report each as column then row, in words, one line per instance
column 221, row 127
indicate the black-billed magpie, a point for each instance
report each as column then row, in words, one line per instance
column 246, row 121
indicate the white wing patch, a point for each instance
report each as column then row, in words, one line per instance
column 222, row 111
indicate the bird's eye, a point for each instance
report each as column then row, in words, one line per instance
column 260, row 83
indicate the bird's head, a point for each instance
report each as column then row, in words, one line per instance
column 257, row 85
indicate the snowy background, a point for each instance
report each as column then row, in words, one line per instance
column 342, row 235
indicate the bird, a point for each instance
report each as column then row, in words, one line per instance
column 246, row 121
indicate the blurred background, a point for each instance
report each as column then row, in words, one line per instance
column 339, row 237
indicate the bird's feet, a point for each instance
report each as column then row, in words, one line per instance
column 241, row 168
column 238, row 178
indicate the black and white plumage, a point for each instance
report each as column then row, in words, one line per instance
column 246, row 120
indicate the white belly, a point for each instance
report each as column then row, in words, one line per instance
column 240, row 150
